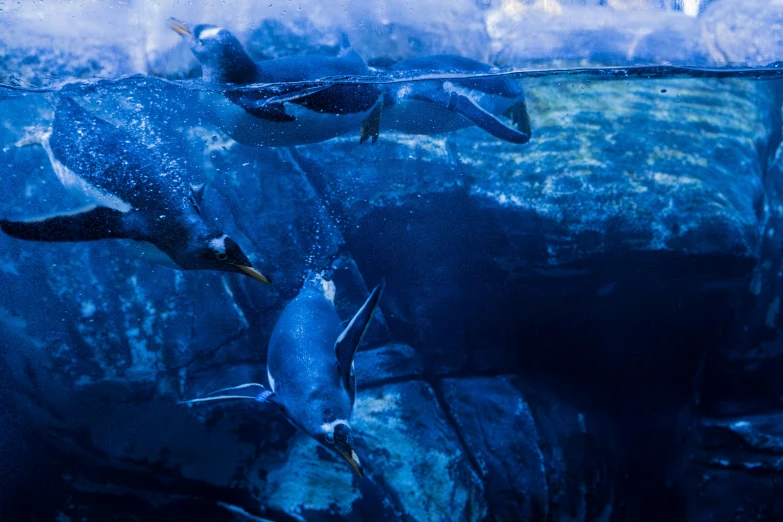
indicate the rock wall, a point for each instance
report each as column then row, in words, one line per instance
column 582, row 328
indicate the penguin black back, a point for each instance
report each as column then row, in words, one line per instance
column 112, row 160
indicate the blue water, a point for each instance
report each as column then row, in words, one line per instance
column 577, row 281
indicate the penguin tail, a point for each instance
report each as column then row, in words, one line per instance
column 34, row 135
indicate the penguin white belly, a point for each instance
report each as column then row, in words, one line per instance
column 308, row 127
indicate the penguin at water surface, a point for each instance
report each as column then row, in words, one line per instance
column 436, row 106
column 310, row 367
column 129, row 194
column 301, row 115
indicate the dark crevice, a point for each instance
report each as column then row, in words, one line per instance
column 776, row 133
column 206, row 354
column 447, row 413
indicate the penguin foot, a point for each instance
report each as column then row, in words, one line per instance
column 260, row 394
column 34, row 135
column 519, row 117
column 371, row 126
column 255, row 104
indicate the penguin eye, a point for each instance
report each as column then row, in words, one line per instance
column 221, row 256
column 329, row 437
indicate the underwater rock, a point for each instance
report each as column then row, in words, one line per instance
column 737, row 470
column 741, row 376
column 579, row 460
column 407, row 443
column 605, row 203
column 311, row 484
column 392, row 362
column 500, row 434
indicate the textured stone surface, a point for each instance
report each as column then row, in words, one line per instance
column 603, row 155
column 604, row 201
column 738, row 467
column 408, row 442
column 500, row 434
column 387, row 363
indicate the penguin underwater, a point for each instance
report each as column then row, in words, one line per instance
column 310, row 367
column 437, row 106
column 130, row 195
column 299, row 116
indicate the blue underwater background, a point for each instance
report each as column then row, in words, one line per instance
column 585, row 327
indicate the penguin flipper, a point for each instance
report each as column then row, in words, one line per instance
column 260, row 394
column 371, row 126
column 86, row 224
column 258, row 106
column 249, row 394
column 479, row 116
column 519, row 117
column 348, row 341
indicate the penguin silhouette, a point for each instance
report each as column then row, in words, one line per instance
column 310, row 367
column 130, row 193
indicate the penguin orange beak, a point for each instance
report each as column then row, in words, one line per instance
column 353, row 460
column 255, row 274
column 179, row 27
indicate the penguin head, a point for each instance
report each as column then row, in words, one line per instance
column 337, row 436
column 221, row 55
column 217, row 251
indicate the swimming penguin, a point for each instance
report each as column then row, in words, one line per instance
column 299, row 115
column 129, row 194
column 437, row 106
column 310, row 367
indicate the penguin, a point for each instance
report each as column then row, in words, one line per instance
column 302, row 114
column 128, row 193
column 310, row 367
column 438, row 106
